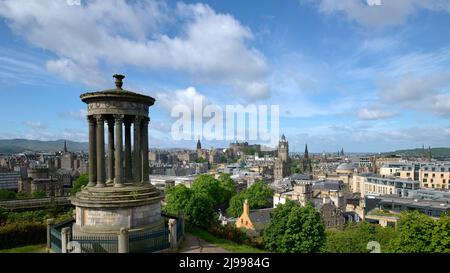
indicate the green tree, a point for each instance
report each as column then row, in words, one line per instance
column 228, row 187
column 21, row 195
column 355, row 236
column 177, row 198
column 415, row 232
column 199, row 210
column 295, row 229
column 201, row 160
column 249, row 151
column 38, row 194
column 236, row 203
column 7, row 195
column 440, row 241
column 259, row 195
column 210, row 186
column 79, row 183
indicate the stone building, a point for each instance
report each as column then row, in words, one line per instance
column 332, row 216
column 67, row 159
column 306, row 161
column 282, row 166
column 39, row 180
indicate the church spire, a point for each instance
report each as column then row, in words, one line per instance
column 199, row 144
column 65, row 146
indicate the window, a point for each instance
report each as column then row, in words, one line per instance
column 442, row 175
column 408, row 174
column 434, row 174
column 426, row 175
column 424, row 180
column 443, row 181
column 432, row 180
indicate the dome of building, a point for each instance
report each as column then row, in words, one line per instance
column 345, row 167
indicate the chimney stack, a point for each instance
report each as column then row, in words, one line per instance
column 246, row 207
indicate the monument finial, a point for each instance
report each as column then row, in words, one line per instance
column 118, row 82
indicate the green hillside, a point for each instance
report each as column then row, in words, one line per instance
column 21, row 145
column 435, row 152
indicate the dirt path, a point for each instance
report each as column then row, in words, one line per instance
column 194, row 244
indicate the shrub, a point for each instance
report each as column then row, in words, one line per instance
column 229, row 232
column 38, row 194
column 7, row 195
column 22, row 233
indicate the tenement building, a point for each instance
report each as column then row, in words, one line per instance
column 372, row 184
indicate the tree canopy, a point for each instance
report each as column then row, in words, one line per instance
column 199, row 202
column 355, row 237
column 79, row 183
column 295, row 229
column 259, row 195
column 177, row 198
column 7, row 195
column 415, row 233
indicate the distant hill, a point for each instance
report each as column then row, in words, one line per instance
column 440, row 152
column 21, row 145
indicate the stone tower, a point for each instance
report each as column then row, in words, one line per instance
column 283, row 149
column 199, row 145
column 282, row 166
column 123, row 197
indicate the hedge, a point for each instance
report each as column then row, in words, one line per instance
column 17, row 234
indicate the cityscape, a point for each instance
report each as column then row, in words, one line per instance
column 185, row 127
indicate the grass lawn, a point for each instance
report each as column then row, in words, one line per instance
column 26, row 249
column 223, row 243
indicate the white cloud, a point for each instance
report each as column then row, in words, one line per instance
column 208, row 46
column 375, row 114
column 35, row 125
column 79, row 115
column 186, row 97
column 74, row 72
column 410, row 88
column 389, row 13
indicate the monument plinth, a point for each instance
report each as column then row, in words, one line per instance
column 123, row 197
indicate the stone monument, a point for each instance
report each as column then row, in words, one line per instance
column 123, row 198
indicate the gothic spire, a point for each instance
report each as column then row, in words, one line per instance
column 199, row 145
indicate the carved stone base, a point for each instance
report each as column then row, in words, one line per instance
column 136, row 207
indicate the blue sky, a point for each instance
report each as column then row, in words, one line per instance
column 344, row 73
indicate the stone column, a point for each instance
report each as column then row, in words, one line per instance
column 100, row 151
column 128, row 174
column 137, row 163
column 173, row 233
column 92, row 153
column 50, row 223
column 65, row 238
column 123, row 241
column 118, row 180
column 110, row 151
column 145, row 167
